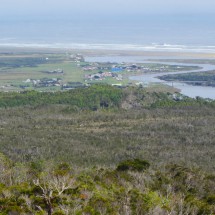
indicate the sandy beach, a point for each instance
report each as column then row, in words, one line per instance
column 102, row 52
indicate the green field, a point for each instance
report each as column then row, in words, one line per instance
column 20, row 71
column 15, row 71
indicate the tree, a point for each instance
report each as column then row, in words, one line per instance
column 52, row 189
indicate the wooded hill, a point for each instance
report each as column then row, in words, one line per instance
column 106, row 150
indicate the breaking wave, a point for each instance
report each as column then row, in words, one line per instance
column 104, row 46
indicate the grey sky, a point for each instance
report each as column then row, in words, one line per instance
column 37, row 7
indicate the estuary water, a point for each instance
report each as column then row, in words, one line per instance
column 188, row 90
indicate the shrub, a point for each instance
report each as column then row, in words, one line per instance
column 133, row 165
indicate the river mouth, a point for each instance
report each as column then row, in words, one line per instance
column 188, row 90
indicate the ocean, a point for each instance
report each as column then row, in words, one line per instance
column 194, row 33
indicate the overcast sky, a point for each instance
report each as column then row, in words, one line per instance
column 39, row 7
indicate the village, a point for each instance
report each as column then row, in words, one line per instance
column 102, row 75
column 71, row 71
column 44, row 82
column 101, row 71
column 92, row 72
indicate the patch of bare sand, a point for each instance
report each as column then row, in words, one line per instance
column 95, row 52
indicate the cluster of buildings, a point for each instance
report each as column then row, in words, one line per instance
column 111, row 70
column 45, row 82
column 121, row 67
column 141, row 68
column 56, row 71
column 77, row 58
column 89, row 68
column 102, row 75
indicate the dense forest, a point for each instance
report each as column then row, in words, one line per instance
column 106, row 150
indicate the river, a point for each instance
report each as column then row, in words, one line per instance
column 188, row 90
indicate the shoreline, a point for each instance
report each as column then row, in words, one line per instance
column 108, row 52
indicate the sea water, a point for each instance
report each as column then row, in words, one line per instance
column 195, row 33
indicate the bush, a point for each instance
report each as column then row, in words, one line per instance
column 133, row 165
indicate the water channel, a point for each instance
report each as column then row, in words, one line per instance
column 188, row 90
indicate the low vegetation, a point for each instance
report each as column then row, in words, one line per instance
column 37, row 188
column 106, row 150
column 199, row 79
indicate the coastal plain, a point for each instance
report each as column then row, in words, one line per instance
column 46, row 69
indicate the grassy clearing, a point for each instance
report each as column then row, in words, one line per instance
column 16, row 69
column 72, row 72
